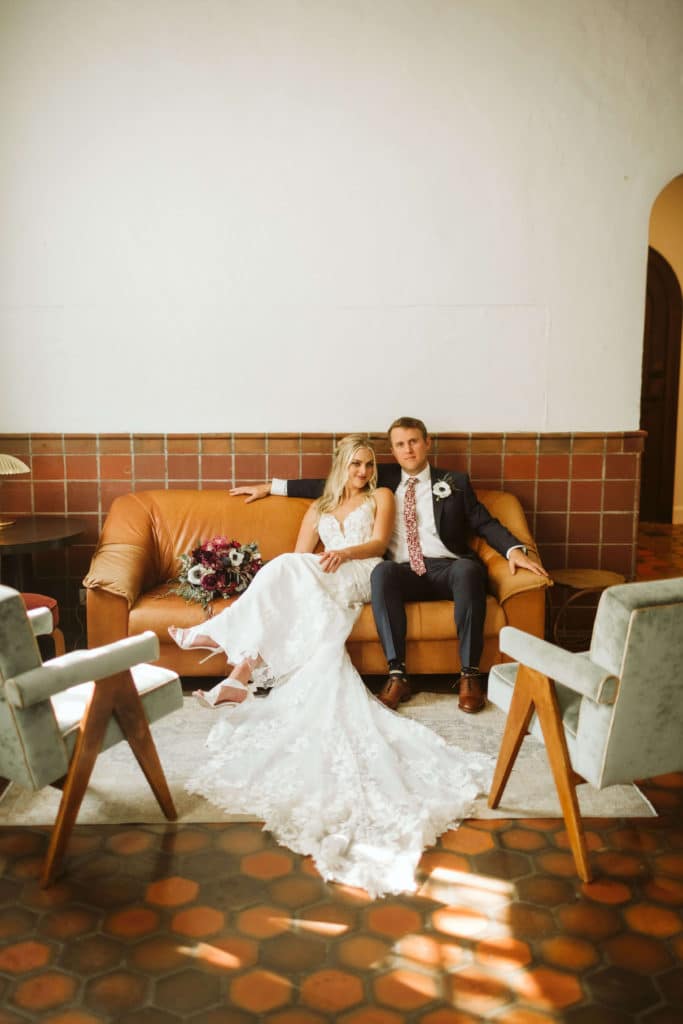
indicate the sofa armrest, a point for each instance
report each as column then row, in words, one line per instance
column 120, row 569
column 504, row 584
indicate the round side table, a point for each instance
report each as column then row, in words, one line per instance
column 578, row 583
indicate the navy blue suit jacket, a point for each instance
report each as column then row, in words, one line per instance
column 456, row 516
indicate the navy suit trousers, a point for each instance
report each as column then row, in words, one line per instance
column 461, row 580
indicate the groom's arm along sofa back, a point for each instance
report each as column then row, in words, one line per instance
column 144, row 534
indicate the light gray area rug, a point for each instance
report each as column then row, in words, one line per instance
column 119, row 793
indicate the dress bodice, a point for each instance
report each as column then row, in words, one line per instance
column 356, row 528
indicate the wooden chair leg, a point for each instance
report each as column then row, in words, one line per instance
column 130, row 715
column 516, row 728
column 88, row 744
column 58, row 640
column 534, row 691
column 550, row 719
column 115, row 695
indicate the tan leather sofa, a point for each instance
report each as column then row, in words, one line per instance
column 145, row 532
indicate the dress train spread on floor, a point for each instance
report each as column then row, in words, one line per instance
column 329, row 770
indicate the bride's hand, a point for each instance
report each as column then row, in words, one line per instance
column 331, row 560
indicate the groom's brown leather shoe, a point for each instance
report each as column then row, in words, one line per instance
column 395, row 691
column 471, row 693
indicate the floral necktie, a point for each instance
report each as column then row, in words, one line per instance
column 417, row 563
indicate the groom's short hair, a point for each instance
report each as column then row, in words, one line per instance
column 408, row 423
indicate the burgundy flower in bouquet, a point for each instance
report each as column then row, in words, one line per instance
column 217, row 568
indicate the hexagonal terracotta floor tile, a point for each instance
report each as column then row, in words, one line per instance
column 171, row 892
column 549, row 892
column 23, row 957
column 570, row 952
column 267, row 864
column 134, row 922
column 607, row 890
column 92, row 954
column 187, row 992
column 114, row 994
column 157, row 955
column 292, row 954
column 362, row 952
column 463, row 922
column 478, row 992
column 665, row 890
column 393, row 919
column 69, row 923
column 242, row 839
column 443, row 865
column 639, row 953
column 331, row 991
column 15, row 922
column 653, row 920
column 547, row 988
column 329, row 920
column 232, row 953
column 295, row 891
column 371, row 1015
column 129, row 843
column 260, row 991
column 198, row 922
column 404, row 989
column 263, row 921
column 466, row 840
column 296, row 1016
column 504, row 953
column 45, row 991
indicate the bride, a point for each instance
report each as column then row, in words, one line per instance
column 326, row 766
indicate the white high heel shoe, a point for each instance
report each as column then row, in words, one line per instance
column 226, row 693
column 182, row 639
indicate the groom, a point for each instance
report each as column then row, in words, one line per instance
column 429, row 557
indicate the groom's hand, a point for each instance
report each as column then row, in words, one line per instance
column 518, row 560
column 254, row 491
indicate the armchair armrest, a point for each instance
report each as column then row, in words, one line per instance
column 41, row 621
column 573, row 670
column 59, row 674
column 504, row 584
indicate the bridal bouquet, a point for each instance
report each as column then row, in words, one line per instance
column 217, row 568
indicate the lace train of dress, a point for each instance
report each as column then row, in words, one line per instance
column 329, row 770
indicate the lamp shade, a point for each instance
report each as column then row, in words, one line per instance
column 9, row 465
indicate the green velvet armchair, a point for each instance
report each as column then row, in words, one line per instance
column 609, row 716
column 56, row 716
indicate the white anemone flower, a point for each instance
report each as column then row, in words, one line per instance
column 441, row 489
column 236, row 557
column 196, row 574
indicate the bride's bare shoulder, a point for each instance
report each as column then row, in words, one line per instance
column 384, row 495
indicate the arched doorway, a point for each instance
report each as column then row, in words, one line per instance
column 662, row 382
column 660, row 387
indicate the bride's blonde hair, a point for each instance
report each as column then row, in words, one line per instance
column 335, row 484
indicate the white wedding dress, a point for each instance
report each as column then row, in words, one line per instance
column 329, row 770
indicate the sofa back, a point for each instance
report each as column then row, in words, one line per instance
column 145, row 532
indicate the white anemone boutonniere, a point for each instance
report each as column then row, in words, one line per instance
column 443, row 488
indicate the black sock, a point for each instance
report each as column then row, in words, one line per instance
column 396, row 667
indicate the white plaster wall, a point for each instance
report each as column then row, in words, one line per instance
column 666, row 236
column 307, row 214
